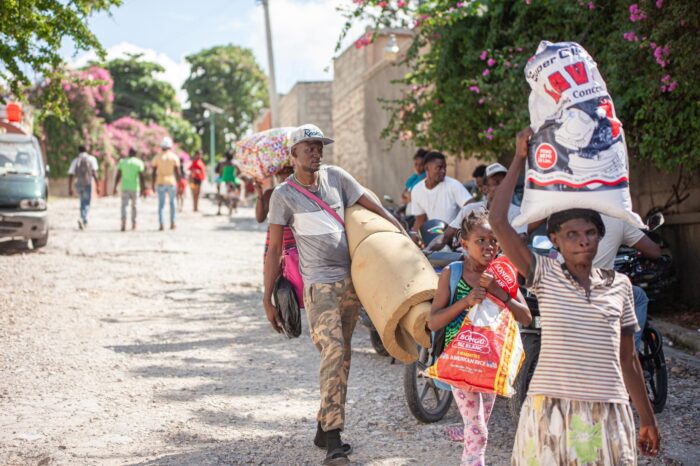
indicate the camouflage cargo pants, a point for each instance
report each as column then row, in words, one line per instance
column 332, row 310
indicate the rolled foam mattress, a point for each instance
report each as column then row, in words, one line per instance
column 391, row 276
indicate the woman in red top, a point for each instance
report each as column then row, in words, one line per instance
column 198, row 173
column 289, row 245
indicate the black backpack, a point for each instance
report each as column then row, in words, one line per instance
column 84, row 171
column 287, row 307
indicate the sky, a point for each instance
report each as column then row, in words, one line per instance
column 304, row 34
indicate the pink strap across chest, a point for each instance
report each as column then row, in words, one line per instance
column 321, row 203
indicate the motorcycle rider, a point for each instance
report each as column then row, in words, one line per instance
column 438, row 196
column 493, row 176
column 619, row 233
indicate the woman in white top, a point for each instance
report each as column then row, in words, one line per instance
column 577, row 409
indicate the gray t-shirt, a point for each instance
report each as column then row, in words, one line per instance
column 321, row 240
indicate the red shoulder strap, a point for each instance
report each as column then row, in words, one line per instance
column 321, row 203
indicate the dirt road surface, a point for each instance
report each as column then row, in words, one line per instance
column 151, row 348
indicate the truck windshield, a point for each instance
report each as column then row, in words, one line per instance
column 19, row 158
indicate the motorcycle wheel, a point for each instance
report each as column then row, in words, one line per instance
column 531, row 345
column 653, row 364
column 377, row 343
column 426, row 402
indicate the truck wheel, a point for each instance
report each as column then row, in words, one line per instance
column 40, row 242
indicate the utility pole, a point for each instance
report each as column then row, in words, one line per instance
column 213, row 111
column 272, row 86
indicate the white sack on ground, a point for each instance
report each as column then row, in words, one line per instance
column 578, row 155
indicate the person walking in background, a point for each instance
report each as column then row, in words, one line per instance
column 130, row 171
column 84, row 169
column 198, row 173
column 181, row 185
column 166, row 175
column 231, row 184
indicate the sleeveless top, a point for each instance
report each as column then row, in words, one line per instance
column 451, row 330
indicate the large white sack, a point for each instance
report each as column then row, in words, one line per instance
column 578, row 155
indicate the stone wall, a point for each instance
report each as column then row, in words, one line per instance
column 310, row 102
column 652, row 188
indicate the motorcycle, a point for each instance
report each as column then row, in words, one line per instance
column 425, row 400
column 654, row 277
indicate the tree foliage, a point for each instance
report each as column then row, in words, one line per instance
column 229, row 77
column 467, row 93
column 82, row 122
column 141, row 95
column 30, row 38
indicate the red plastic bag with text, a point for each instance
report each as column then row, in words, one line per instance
column 487, row 352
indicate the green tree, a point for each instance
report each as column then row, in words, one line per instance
column 467, row 93
column 30, row 39
column 140, row 94
column 82, row 123
column 229, row 77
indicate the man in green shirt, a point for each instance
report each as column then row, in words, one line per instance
column 130, row 172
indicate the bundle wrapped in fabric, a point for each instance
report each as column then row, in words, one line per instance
column 262, row 154
column 578, row 149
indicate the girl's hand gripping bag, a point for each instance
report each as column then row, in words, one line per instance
column 487, row 352
column 578, row 149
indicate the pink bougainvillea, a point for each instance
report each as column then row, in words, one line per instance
column 636, row 13
column 127, row 133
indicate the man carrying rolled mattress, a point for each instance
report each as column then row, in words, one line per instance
column 312, row 202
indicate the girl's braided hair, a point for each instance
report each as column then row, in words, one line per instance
column 475, row 218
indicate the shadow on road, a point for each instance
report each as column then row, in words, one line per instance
column 171, row 347
column 10, row 248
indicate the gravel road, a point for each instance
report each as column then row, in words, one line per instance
column 151, row 348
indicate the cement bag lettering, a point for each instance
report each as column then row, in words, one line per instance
column 487, row 352
column 578, row 154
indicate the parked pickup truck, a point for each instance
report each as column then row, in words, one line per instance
column 23, row 188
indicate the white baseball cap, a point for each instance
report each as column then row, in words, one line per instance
column 495, row 168
column 308, row 132
column 166, row 143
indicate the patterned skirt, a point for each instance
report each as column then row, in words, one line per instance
column 555, row 431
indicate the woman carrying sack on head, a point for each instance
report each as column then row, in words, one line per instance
column 577, row 407
column 449, row 311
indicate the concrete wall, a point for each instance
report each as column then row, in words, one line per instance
column 652, row 188
column 310, row 102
